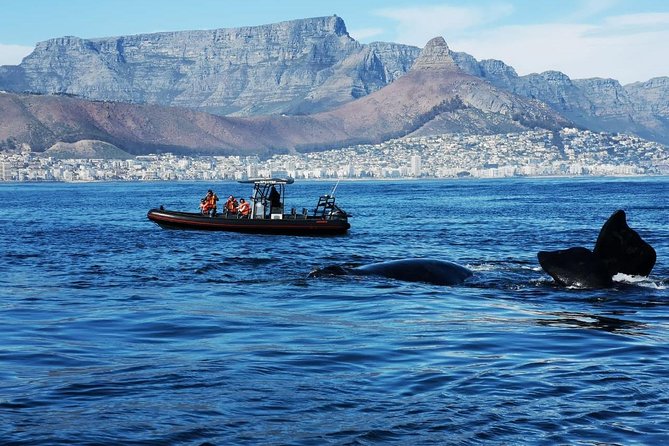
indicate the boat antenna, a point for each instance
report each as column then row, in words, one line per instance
column 332, row 194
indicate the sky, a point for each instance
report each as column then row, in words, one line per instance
column 627, row 40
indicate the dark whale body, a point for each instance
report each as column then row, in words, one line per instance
column 576, row 267
column 623, row 250
column 619, row 249
column 437, row 272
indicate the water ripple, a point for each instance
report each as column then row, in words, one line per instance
column 114, row 331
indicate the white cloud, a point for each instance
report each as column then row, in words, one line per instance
column 638, row 20
column 365, row 33
column 418, row 24
column 578, row 50
column 13, row 54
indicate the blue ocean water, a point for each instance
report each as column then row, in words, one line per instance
column 114, row 331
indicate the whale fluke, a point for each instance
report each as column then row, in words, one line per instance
column 575, row 267
column 623, row 250
column 619, row 249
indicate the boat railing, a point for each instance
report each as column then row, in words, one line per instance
column 295, row 215
column 327, row 209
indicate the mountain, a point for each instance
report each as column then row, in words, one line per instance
column 437, row 96
column 309, row 66
column 86, row 149
column 299, row 66
column 435, row 93
column 44, row 120
column 598, row 104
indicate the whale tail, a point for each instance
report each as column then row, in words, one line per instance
column 619, row 249
column 622, row 249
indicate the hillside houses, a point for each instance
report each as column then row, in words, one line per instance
column 534, row 153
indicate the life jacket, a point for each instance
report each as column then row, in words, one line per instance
column 244, row 208
column 231, row 205
column 210, row 202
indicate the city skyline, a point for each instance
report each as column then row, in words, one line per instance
column 533, row 154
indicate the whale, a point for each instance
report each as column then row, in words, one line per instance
column 432, row 271
column 622, row 249
column 618, row 249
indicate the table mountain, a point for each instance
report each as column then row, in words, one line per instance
column 299, row 66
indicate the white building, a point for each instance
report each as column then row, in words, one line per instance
column 416, row 169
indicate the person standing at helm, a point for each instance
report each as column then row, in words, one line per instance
column 275, row 201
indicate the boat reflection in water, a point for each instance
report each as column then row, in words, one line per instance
column 267, row 214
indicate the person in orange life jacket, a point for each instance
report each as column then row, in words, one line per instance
column 244, row 208
column 208, row 204
column 231, row 205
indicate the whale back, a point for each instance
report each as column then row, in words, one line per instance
column 437, row 272
column 622, row 249
column 575, row 267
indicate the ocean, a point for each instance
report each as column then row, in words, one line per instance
column 115, row 331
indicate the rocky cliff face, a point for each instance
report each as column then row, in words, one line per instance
column 303, row 65
column 597, row 104
column 651, row 96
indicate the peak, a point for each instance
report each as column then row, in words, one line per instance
column 437, row 42
column 338, row 25
column 435, row 55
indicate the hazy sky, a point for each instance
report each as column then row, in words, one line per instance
column 627, row 40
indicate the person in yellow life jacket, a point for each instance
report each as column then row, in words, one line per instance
column 231, row 205
column 244, row 208
column 209, row 204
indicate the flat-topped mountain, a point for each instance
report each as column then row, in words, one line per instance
column 299, row 66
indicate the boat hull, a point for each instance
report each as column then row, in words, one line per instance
column 289, row 224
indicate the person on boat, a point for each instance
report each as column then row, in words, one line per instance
column 275, row 201
column 231, row 205
column 244, row 208
column 209, row 203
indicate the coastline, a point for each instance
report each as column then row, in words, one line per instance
column 360, row 180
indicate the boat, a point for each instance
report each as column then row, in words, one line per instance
column 267, row 216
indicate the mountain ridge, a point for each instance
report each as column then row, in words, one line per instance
column 222, row 71
column 310, row 66
column 435, row 87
